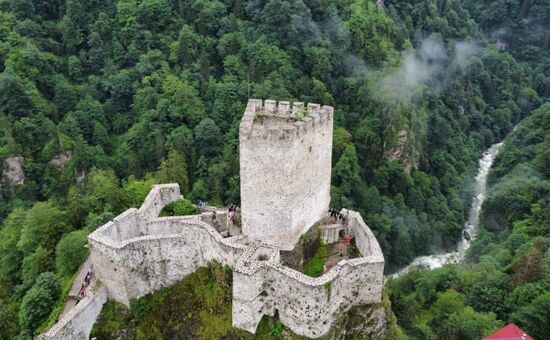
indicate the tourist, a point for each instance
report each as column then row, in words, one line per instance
column 88, row 277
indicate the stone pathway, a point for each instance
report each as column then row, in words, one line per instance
column 72, row 298
column 334, row 254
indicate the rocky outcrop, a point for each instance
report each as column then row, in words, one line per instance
column 400, row 152
column 13, row 173
column 60, row 160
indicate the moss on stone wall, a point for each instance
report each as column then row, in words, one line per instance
column 305, row 249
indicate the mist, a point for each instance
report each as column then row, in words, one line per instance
column 431, row 65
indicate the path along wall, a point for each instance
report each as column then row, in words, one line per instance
column 78, row 322
column 308, row 306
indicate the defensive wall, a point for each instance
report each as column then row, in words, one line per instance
column 308, row 306
column 138, row 252
column 78, row 322
column 285, row 169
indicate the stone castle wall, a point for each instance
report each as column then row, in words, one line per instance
column 308, row 306
column 285, row 157
column 138, row 253
column 78, row 322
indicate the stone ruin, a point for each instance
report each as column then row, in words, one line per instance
column 285, row 189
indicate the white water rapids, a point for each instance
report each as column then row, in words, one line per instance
column 471, row 226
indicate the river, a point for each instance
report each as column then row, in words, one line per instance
column 470, row 228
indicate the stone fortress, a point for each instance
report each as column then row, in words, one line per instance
column 285, row 160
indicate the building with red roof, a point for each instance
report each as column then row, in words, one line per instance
column 510, row 332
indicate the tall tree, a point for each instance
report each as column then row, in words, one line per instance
column 174, row 170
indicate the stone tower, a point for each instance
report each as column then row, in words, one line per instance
column 285, row 165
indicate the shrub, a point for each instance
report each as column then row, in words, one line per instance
column 181, row 208
column 33, row 265
column 50, row 283
column 139, row 309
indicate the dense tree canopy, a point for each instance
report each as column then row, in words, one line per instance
column 102, row 99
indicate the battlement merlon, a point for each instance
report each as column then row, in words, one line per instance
column 285, row 155
column 282, row 121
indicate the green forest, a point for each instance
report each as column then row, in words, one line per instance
column 507, row 274
column 99, row 100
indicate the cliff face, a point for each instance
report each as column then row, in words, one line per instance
column 364, row 322
column 375, row 321
column 404, row 151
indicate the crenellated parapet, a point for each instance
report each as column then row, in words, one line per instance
column 283, row 120
column 285, row 168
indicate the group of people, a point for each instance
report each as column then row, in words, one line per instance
column 234, row 212
column 86, row 283
column 337, row 215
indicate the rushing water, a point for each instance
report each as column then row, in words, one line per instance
column 471, row 226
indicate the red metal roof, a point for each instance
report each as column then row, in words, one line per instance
column 510, row 332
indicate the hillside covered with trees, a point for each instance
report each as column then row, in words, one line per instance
column 507, row 273
column 101, row 99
